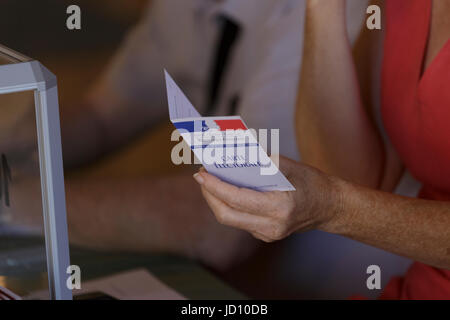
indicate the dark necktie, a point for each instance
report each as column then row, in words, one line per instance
column 229, row 34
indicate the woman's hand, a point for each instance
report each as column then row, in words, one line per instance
column 414, row 228
column 271, row 216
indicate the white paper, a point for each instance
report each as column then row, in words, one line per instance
column 224, row 145
column 138, row 284
column 179, row 105
column 132, row 285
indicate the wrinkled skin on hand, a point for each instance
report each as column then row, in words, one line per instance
column 272, row 216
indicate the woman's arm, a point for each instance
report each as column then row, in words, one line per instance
column 335, row 131
column 142, row 214
column 418, row 229
column 415, row 228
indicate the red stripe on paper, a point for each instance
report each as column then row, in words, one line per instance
column 235, row 124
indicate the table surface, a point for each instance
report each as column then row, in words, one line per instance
column 22, row 269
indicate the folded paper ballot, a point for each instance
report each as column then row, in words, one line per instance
column 225, row 146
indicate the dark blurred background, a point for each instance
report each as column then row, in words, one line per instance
column 78, row 57
column 37, row 28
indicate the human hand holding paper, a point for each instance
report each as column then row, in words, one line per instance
column 272, row 216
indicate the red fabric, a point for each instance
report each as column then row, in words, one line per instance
column 416, row 115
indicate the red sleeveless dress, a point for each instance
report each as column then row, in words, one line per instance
column 416, row 115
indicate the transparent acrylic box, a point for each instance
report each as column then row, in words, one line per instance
column 31, row 170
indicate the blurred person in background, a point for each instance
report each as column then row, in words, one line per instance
column 230, row 57
column 351, row 196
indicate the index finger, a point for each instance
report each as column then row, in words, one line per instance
column 239, row 198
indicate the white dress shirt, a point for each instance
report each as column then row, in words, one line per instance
column 181, row 36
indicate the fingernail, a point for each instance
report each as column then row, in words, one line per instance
column 199, row 178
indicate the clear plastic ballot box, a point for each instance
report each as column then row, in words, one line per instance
column 32, row 196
